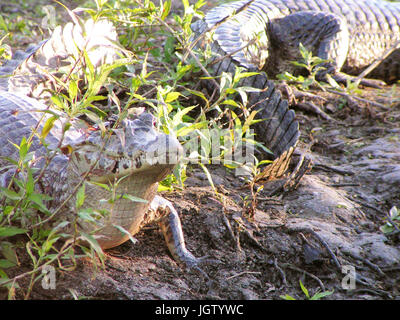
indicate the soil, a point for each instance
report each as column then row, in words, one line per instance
column 329, row 224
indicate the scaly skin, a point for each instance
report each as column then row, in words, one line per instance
column 130, row 159
column 31, row 72
column 135, row 153
column 280, row 130
column 353, row 33
column 264, row 35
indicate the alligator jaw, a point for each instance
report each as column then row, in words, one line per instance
column 138, row 147
column 109, row 168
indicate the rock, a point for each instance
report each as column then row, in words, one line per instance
column 315, row 198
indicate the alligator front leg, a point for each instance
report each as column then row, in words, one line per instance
column 171, row 227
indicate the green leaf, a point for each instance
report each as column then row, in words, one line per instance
column 89, row 66
column 304, row 289
column 89, row 215
column 3, row 24
column 235, row 118
column 249, row 121
column 304, row 53
column 317, row 60
column 172, row 96
column 101, row 185
column 134, row 199
column 161, row 188
column 3, row 277
column 387, row 228
column 72, row 89
column 6, row 264
column 47, row 245
column 198, row 94
column 287, row 297
column 11, row 231
column 177, row 119
column 320, row 295
column 7, row 249
column 181, row 132
column 126, row 233
column 230, row 102
column 60, row 226
column 80, row 196
column 10, row 194
column 226, row 81
column 242, row 75
column 299, row 64
column 48, row 126
column 30, row 185
column 8, row 210
column 57, row 101
column 185, row 4
column 208, row 175
column 23, row 148
column 166, row 9
column 264, row 162
column 182, row 70
column 38, row 198
column 93, row 243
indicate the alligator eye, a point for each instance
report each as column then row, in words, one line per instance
column 67, row 150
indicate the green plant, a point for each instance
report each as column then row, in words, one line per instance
column 312, row 64
column 317, row 296
column 393, row 221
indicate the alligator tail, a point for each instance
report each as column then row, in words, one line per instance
column 32, row 72
column 280, row 130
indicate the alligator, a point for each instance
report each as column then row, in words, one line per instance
column 264, row 36
column 128, row 157
column 350, row 34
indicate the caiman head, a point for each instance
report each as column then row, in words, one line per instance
column 136, row 146
column 131, row 161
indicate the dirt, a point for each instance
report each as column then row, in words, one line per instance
column 329, row 224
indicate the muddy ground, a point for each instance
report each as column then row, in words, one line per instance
column 329, row 224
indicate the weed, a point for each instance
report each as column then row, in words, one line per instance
column 393, row 222
column 312, row 64
column 317, row 296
